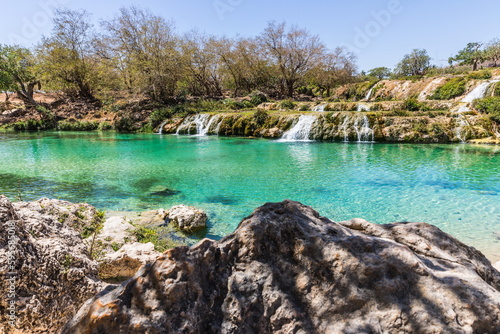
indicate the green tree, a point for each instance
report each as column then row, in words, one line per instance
column 380, row 73
column 415, row 63
column 67, row 56
column 17, row 72
column 470, row 55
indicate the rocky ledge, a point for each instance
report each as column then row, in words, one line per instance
column 288, row 270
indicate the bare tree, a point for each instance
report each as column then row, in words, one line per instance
column 145, row 48
column 293, row 51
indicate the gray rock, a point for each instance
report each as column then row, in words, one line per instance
column 116, row 230
column 53, row 272
column 187, row 218
column 288, row 270
column 125, row 262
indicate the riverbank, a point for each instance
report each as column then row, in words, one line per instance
column 410, row 111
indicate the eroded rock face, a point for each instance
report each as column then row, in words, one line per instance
column 53, row 272
column 187, row 218
column 125, row 262
column 288, row 270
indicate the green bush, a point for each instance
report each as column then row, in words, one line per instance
column 125, row 123
column 231, row 104
column 77, row 126
column 479, row 75
column 260, row 117
column 145, row 235
column 158, row 116
column 412, row 104
column 105, row 126
column 451, row 89
column 490, row 106
column 257, row 97
column 286, row 104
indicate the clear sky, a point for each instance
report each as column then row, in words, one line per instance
column 379, row 31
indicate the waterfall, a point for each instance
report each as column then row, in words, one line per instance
column 201, row 121
column 479, row 92
column 320, row 107
column 363, row 107
column 462, row 123
column 301, row 130
column 205, row 126
column 160, row 130
column 345, row 128
column 364, row 132
column 369, row 94
column 217, row 128
column 359, row 124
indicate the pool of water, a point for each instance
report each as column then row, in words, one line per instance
column 455, row 187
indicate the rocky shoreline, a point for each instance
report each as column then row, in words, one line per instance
column 285, row 269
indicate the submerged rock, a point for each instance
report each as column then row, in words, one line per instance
column 44, row 256
column 187, row 218
column 288, row 270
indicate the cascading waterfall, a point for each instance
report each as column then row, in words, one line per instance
column 202, row 122
column 363, row 131
column 320, row 107
column 301, row 130
column 217, row 128
column 359, row 124
column 477, row 93
column 459, row 130
column 369, row 94
column 345, row 128
column 205, row 126
column 160, row 130
column 363, row 107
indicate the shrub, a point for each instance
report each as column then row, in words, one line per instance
column 125, row 123
column 231, row 104
column 490, row 106
column 105, row 126
column 158, row 116
column 260, row 117
column 479, row 75
column 451, row 89
column 257, row 97
column 286, row 104
column 412, row 104
column 77, row 126
column 145, row 235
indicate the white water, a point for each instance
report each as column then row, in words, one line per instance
column 459, row 130
column 160, row 130
column 369, row 94
column 201, row 121
column 359, row 124
column 319, row 107
column 205, row 126
column 363, row 130
column 301, row 130
column 363, row 107
column 345, row 127
column 479, row 92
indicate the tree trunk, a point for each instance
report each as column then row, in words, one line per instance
column 26, row 94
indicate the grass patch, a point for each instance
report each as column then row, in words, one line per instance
column 451, row 89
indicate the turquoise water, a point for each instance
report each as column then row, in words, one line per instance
column 456, row 187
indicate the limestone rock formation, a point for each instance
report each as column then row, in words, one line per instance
column 125, row 262
column 187, row 218
column 288, row 270
column 116, row 230
column 52, row 273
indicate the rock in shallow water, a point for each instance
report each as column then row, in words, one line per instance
column 288, row 270
column 187, row 218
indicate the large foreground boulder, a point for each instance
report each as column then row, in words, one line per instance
column 288, row 270
column 45, row 265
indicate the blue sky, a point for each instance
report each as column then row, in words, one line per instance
column 379, row 31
